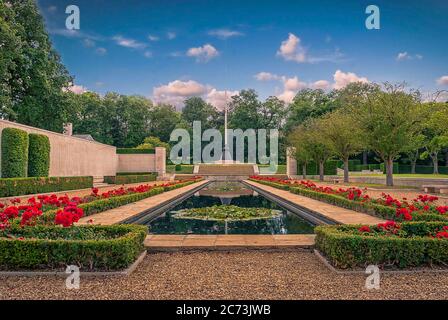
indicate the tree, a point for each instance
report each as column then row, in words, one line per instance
column 435, row 131
column 413, row 150
column 34, row 76
column 308, row 104
column 163, row 120
column 354, row 94
column 311, row 144
column 153, row 142
column 10, row 44
column 196, row 109
column 344, row 135
column 390, row 120
column 298, row 147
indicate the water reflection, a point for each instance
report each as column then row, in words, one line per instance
column 229, row 193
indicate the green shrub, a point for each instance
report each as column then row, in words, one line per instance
column 421, row 169
column 385, row 212
column 101, row 205
column 352, row 164
column 38, row 155
column 22, row 186
column 395, row 167
column 125, row 179
column 178, row 167
column 133, row 173
column 135, row 151
column 345, row 247
column 272, row 184
column 14, row 153
column 89, row 247
column 312, row 168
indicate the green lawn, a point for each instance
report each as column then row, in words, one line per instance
column 402, row 175
column 185, row 169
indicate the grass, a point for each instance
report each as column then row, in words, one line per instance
column 401, row 175
column 281, row 168
column 185, row 169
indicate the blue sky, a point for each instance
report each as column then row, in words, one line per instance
column 169, row 50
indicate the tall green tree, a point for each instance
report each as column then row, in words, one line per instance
column 308, row 104
column 435, row 131
column 35, row 76
column 196, row 109
column 343, row 134
column 390, row 119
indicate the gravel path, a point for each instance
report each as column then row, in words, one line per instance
column 230, row 275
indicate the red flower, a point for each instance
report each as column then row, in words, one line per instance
column 442, row 235
column 365, row 229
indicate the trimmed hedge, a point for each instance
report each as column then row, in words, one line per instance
column 38, row 155
column 125, row 179
column 14, row 153
column 22, row 186
column 351, row 164
column 346, row 248
column 388, row 213
column 395, row 168
column 312, row 168
column 421, row 169
column 133, row 173
column 88, row 247
column 101, row 205
column 385, row 212
column 135, row 151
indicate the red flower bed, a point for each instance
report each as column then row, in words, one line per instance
column 68, row 212
column 404, row 209
column 391, row 228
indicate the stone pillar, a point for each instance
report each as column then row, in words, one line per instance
column 67, row 129
column 291, row 163
column 160, row 161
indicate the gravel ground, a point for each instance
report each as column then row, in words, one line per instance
column 230, row 275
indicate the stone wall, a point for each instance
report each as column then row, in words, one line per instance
column 71, row 156
column 143, row 162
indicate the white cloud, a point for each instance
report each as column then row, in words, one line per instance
column 77, row 89
column 341, row 79
column 89, row 43
column 218, row 98
column 128, row 43
column 321, row 84
column 266, row 76
column 443, row 81
column 292, row 85
column 402, row 56
column 170, row 35
column 153, row 38
column 101, row 51
column 52, row 9
column 292, row 50
column 176, row 92
column 204, row 53
column 147, row 54
column 225, row 33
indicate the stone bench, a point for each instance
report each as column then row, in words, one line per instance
column 436, row 188
column 337, row 180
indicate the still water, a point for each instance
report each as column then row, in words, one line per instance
column 236, row 194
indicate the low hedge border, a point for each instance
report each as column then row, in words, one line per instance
column 388, row 213
column 346, row 249
column 101, row 205
column 129, row 178
column 44, row 247
column 135, row 151
column 23, row 186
